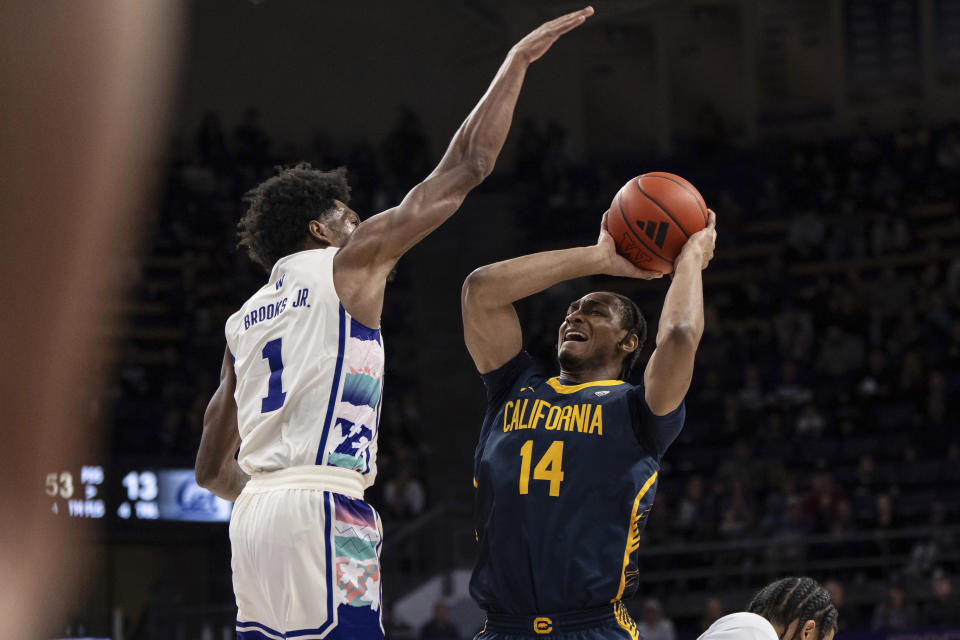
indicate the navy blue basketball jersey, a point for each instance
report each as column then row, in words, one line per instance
column 565, row 476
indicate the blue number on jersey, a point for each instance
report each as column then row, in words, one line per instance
column 275, row 393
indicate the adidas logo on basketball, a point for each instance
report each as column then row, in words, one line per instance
column 654, row 230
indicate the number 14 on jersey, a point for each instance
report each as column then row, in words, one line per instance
column 550, row 467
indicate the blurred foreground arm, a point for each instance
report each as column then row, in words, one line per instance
column 670, row 369
column 216, row 468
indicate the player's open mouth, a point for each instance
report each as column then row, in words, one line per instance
column 574, row 336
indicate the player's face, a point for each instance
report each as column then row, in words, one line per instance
column 591, row 332
column 342, row 223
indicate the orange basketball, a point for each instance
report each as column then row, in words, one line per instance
column 651, row 218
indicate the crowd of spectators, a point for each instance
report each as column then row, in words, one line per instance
column 826, row 387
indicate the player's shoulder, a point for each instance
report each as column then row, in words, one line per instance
column 740, row 626
column 520, row 371
column 307, row 261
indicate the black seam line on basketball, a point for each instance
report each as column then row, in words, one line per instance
column 661, row 207
column 634, row 233
column 706, row 218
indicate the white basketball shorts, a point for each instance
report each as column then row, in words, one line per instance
column 306, row 557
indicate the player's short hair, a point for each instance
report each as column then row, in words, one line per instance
column 799, row 599
column 278, row 210
column 633, row 321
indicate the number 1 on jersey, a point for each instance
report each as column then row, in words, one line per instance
column 275, row 393
column 549, row 468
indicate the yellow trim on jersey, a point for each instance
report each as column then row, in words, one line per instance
column 475, row 485
column 573, row 388
column 633, row 534
column 625, row 621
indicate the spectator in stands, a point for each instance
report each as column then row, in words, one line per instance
column 876, row 382
column 404, row 495
column 944, row 609
column 790, row 392
column 848, row 617
column 843, row 521
column 738, row 517
column 805, row 236
column 653, row 624
column 712, row 611
column 840, row 353
column 741, row 466
column 821, row 504
column 912, row 382
column 810, row 422
column 895, row 613
column 439, row 626
column 692, row 513
column 883, row 513
column 752, row 395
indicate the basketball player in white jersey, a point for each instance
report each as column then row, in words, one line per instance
column 301, row 379
column 788, row 609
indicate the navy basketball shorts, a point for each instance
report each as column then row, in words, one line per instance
column 611, row 622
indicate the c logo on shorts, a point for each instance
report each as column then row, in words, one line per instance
column 542, row 626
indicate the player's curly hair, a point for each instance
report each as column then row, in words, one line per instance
column 799, row 599
column 278, row 210
column 633, row 321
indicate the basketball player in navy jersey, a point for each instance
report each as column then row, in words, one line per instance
column 301, row 379
column 566, row 467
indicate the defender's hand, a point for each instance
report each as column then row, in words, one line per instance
column 615, row 264
column 538, row 41
column 703, row 242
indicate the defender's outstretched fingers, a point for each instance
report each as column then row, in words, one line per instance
column 538, row 42
column 571, row 21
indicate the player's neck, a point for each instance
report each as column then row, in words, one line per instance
column 592, row 374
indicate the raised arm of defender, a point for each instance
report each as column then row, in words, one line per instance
column 491, row 327
column 379, row 242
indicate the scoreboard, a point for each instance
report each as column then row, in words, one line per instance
column 132, row 494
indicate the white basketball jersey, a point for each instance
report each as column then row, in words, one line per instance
column 740, row 626
column 309, row 376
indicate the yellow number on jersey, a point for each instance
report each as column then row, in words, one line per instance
column 549, row 468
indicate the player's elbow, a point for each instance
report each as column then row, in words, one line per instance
column 206, row 469
column 680, row 335
column 478, row 166
column 476, row 288
column 204, row 472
